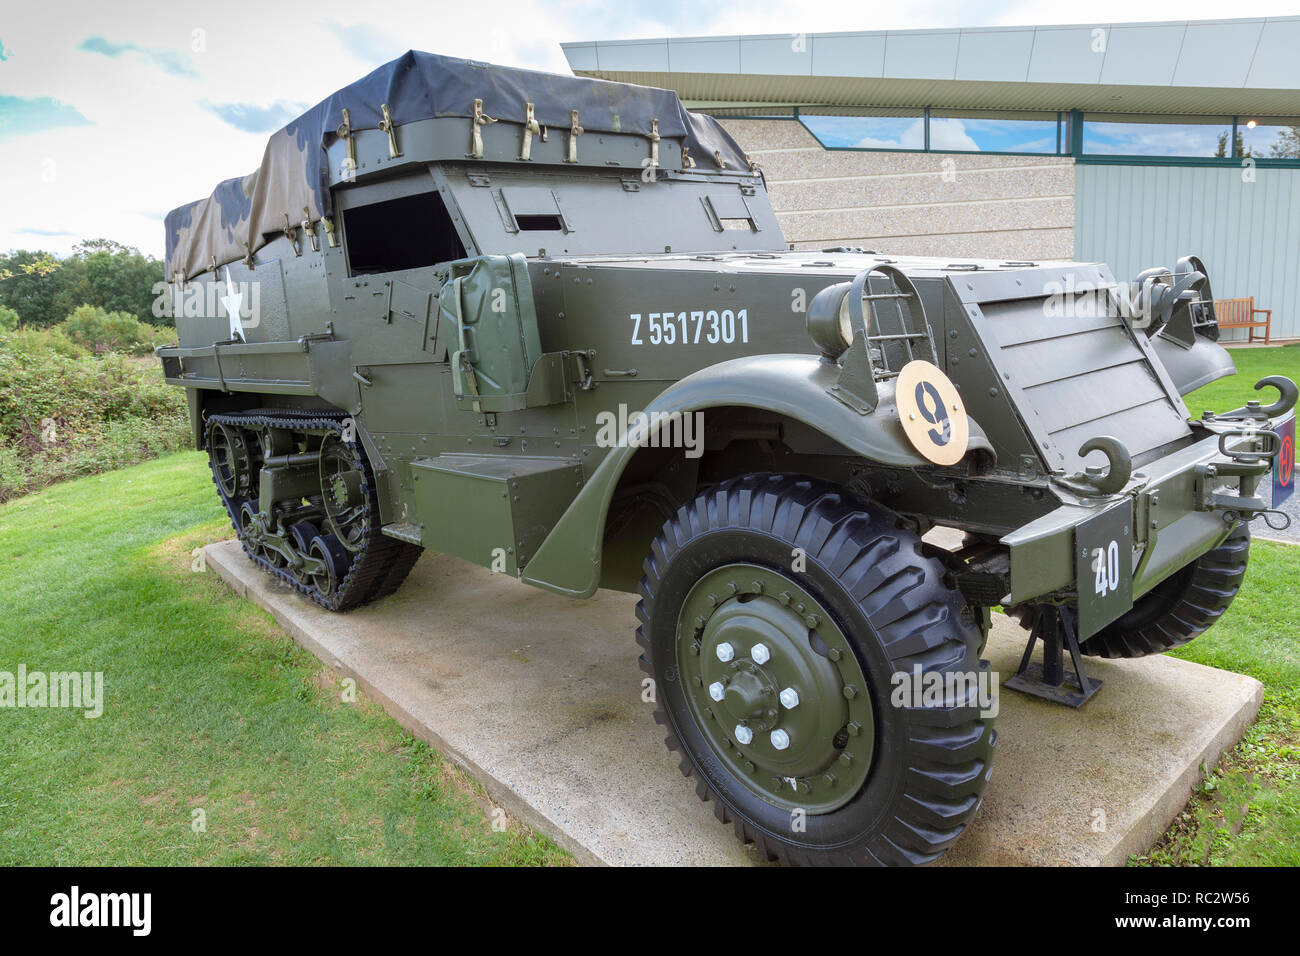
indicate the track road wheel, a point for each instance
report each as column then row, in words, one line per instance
column 774, row 613
column 301, row 534
column 1181, row 607
column 335, row 558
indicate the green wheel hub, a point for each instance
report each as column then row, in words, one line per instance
column 775, row 688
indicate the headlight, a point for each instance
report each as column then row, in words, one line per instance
column 828, row 320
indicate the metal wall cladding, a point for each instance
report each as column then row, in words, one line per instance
column 1244, row 223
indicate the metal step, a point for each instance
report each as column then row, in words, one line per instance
column 410, row 533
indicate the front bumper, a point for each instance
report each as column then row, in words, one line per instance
column 1173, row 510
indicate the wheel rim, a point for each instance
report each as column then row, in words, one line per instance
column 826, row 727
column 343, row 492
column 301, row 535
column 333, row 559
column 231, row 464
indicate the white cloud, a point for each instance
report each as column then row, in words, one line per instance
column 154, row 145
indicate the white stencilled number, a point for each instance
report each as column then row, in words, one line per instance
column 714, row 333
column 712, row 327
column 1105, row 568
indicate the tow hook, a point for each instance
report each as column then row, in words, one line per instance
column 1095, row 482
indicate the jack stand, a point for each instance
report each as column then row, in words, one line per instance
column 1056, row 627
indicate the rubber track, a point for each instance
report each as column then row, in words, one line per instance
column 948, row 752
column 379, row 568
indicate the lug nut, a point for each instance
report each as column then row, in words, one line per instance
column 789, row 698
column 760, row 653
column 716, row 690
column 743, row 735
column 780, row 739
column 726, row 652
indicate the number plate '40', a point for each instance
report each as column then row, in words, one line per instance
column 1103, row 552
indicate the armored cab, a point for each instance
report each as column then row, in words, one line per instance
column 550, row 325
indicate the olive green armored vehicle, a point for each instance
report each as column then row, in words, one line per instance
column 550, row 325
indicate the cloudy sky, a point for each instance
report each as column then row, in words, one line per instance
column 112, row 113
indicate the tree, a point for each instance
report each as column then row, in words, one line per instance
column 114, row 277
column 1242, row 148
column 100, row 272
column 32, row 288
column 1287, row 144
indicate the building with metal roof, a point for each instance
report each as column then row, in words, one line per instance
column 1129, row 143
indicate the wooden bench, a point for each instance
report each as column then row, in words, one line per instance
column 1240, row 314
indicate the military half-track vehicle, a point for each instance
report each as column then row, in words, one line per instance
column 550, row 325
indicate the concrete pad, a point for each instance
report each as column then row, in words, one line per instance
column 539, row 696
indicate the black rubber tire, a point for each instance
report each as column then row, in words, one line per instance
column 1181, row 607
column 930, row 764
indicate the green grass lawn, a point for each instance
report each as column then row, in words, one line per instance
column 207, row 706
column 1252, row 365
column 1248, row 811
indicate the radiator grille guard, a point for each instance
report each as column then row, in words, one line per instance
column 1072, row 367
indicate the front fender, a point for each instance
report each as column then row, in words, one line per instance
column 795, row 386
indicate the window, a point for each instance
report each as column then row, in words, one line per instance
column 1267, row 138
column 539, row 222
column 883, row 129
column 946, row 131
column 410, row 232
column 1119, row 135
column 988, row 131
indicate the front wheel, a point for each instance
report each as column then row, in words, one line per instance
column 790, row 629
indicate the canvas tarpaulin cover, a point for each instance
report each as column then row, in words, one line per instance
column 293, row 178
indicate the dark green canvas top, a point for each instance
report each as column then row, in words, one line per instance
column 294, row 174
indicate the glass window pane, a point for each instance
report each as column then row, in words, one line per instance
column 906, row 131
column 996, row 132
column 1269, row 138
column 1157, row 136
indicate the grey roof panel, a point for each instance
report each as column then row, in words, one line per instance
column 1142, row 55
column 1247, row 65
column 1067, row 55
column 647, row 55
column 848, row 54
column 1276, row 64
column 705, row 55
column 921, row 55
column 582, row 56
column 780, row 55
column 1217, row 54
column 995, row 55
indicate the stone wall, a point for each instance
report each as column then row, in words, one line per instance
column 945, row 204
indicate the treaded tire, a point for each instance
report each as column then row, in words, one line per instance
column 1181, row 607
column 930, row 763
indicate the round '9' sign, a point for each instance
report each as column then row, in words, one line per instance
column 932, row 413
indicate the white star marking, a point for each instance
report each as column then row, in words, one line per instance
column 233, row 300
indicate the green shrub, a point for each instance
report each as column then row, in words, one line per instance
column 8, row 319
column 33, row 342
column 102, row 331
column 67, row 415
